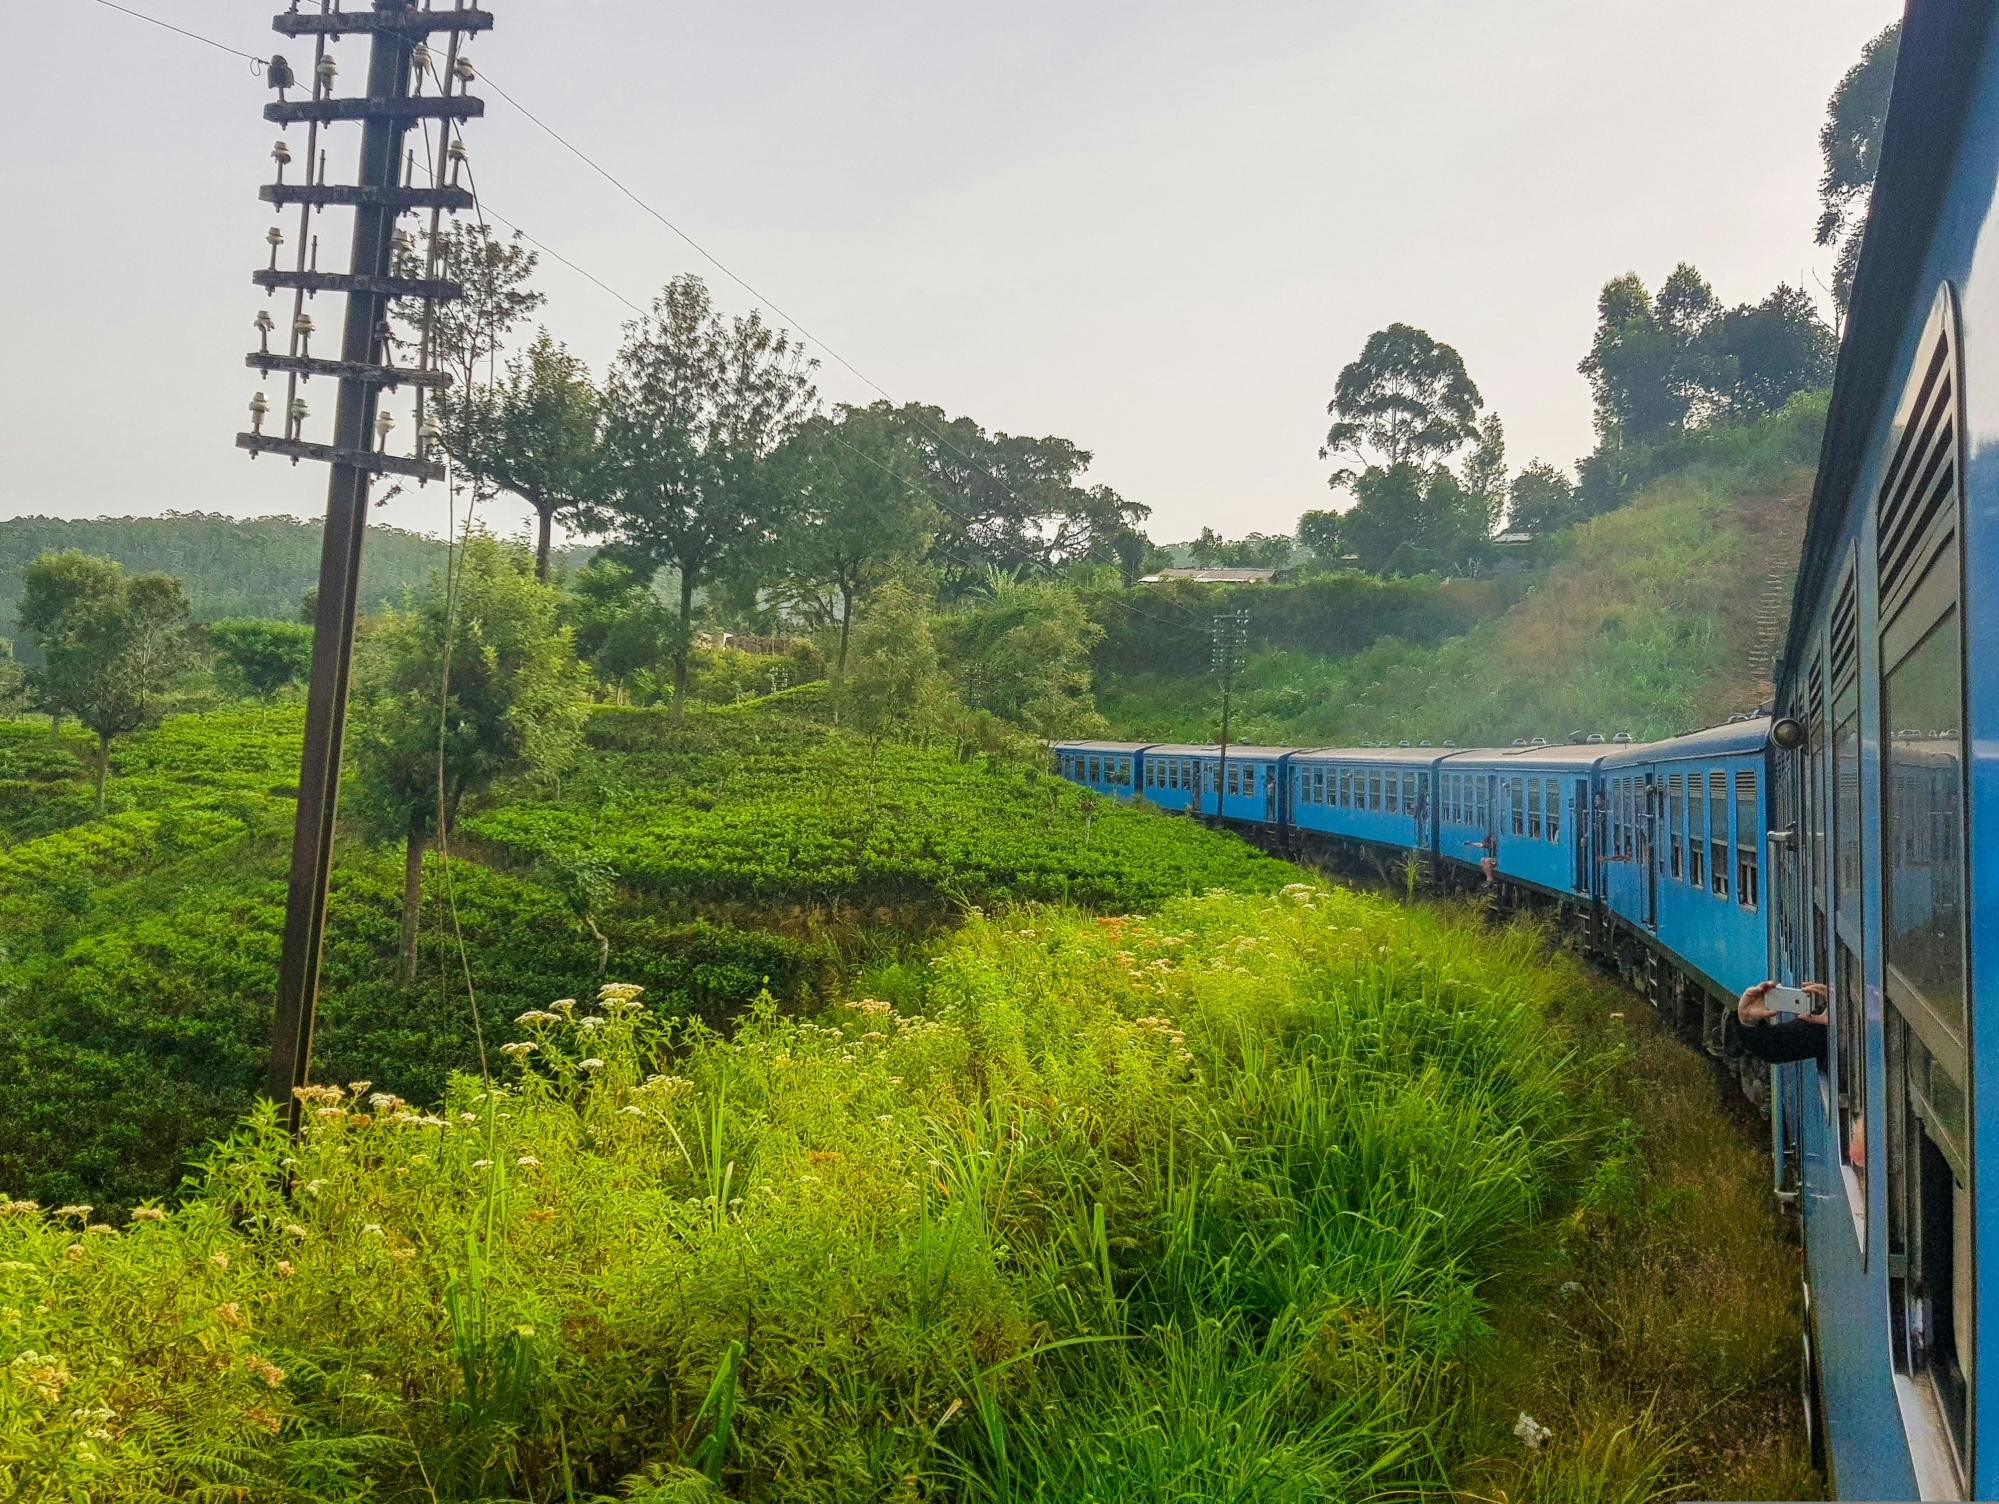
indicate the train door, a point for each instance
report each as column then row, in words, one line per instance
column 1270, row 794
column 1646, row 864
column 1581, row 824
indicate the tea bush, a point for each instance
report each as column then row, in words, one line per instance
column 1195, row 1206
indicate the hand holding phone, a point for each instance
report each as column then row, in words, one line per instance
column 1791, row 1001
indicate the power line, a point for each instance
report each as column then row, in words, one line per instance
column 192, row 36
column 484, row 209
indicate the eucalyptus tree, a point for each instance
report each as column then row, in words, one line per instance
column 1850, row 142
column 1407, row 399
column 693, row 410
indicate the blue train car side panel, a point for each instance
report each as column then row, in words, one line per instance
column 1685, row 853
column 1528, row 807
column 1384, row 796
column 1108, row 767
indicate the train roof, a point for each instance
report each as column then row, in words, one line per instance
column 1419, row 756
column 1245, row 750
column 1552, row 755
column 1743, row 738
column 1936, row 82
column 1122, row 747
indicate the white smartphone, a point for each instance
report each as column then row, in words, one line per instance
column 1790, row 1000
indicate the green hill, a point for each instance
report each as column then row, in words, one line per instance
column 1654, row 619
column 261, row 567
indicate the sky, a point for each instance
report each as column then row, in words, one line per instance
column 1157, row 229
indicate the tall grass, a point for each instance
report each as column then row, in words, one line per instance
column 1198, row 1206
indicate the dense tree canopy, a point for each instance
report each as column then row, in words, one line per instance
column 694, row 408
column 1257, row 551
column 855, row 482
column 1543, row 500
column 260, row 658
column 110, row 644
column 1407, row 399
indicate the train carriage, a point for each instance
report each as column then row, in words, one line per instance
column 1682, row 858
column 1887, row 783
column 1379, row 796
column 1529, row 806
column 1108, row 767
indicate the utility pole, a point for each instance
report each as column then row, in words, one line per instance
column 399, row 62
column 1231, row 639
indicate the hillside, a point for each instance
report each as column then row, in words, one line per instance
column 260, row 567
column 1653, row 619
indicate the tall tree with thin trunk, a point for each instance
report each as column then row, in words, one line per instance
column 111, row 644
column 534, row 433
column 855, row 481
column 513, row 706
column 694, row 408
column 1856, row 118
column 1407, row 399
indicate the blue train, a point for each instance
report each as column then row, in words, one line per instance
column 1835, row 839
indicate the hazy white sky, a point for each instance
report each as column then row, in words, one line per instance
column 1158, row 229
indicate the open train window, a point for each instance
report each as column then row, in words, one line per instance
column 1554, row 809
column 1748, row 832
column 1518, row 798
column 1534, row 808
column 1676, row 820
column 1696, row 832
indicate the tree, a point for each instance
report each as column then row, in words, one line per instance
column 534, row 434
column 110, row 643
column 855, row 481
column 1324, row 534
column 693, row 410
column 1409, row 520
column 895, row 680
column 1544, row 500
column 1850, row 143
column 514, row 705
column 1759, row 357
column 1022, row 651
column 12, row 681
column 621, row 628
column 1485, row 471
column 1637, row 363
column 1257, row 551
column 467, row 333
column 1408, row 399
column 260, row 658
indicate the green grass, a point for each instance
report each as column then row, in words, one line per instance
column 1201, row 1206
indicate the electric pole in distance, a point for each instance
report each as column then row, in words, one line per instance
column 1231, row 640
column 400, row 63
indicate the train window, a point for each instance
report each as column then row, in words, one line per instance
column 1748, row 833
column 1249, row 780
column 1393, row 787
column 1676, row 827
column 1234, row 778
column 1717, row 831
column 1096, row 770
column 1519, row 801
column 1696, row 833
column 1534, row 808
column 1374, row 789
column 1554, row 809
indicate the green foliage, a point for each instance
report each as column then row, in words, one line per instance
column 1659, row 367
column 748, row 809
column 1407, row 400
column 694, row 407
column 1850, row 142
column 231, row 568
column 896, row 681
column 1021, row 651
column 1125, row 1209
column 1411, row 521
column 533, row 433
column 260, row 658
column 1254, row 552
column 1544, row 500
column 110, row 644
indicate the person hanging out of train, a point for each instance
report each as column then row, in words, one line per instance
column 1780, row 1038
column 1488, row 861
